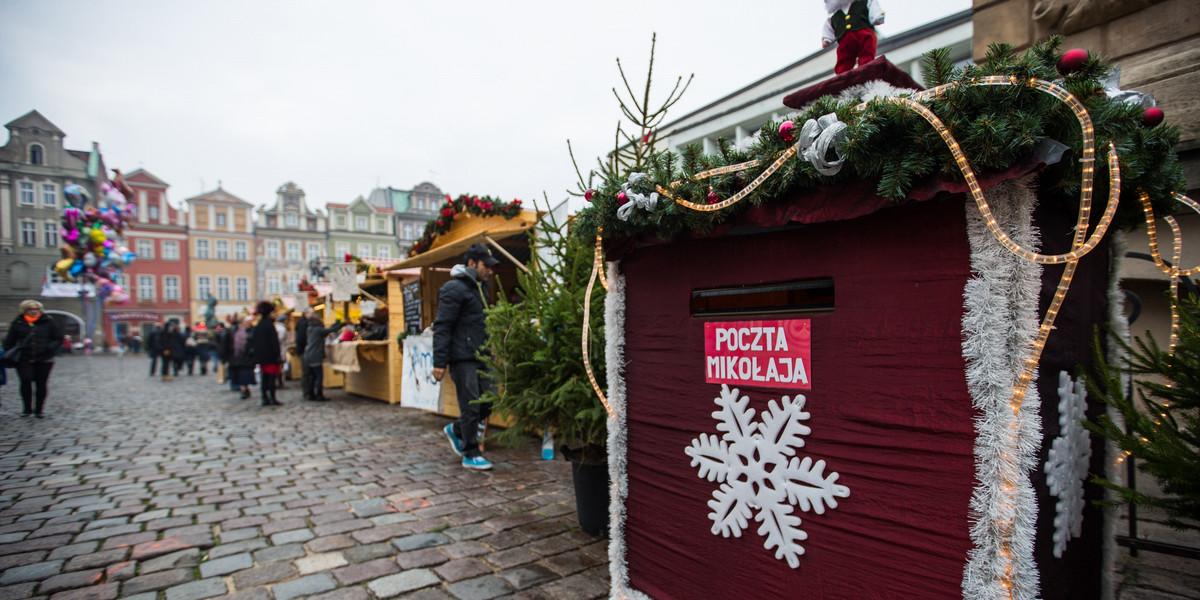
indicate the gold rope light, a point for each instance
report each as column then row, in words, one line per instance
column 1172, row 270
column 597, row 266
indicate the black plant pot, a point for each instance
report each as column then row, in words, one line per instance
column 591, row 493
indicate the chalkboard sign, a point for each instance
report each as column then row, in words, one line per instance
column 412, row 308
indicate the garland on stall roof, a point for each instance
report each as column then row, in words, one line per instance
column 996, row 126
column 486, row 206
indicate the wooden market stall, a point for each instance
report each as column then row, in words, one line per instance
column 418, row 295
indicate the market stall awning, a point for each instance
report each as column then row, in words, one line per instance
column 467, row 230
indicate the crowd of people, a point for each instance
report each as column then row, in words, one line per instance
column 252, row 350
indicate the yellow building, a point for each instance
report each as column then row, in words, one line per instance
column 220, row 253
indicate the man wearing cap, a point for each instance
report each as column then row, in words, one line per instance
column 458, row 334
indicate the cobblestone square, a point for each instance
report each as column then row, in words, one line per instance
column 133, row 486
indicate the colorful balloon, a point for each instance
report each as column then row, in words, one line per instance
column 76, row 195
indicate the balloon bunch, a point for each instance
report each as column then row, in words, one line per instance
column 90, row 235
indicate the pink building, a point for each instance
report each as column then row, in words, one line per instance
column 157, row 282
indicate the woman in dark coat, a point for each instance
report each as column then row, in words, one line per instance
column 264, row 343
column 40, row 338
column 238, row 351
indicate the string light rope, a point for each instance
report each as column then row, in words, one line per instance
column 1173, row 269
column 597, row 265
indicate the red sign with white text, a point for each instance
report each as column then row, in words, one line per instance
column 759, row 353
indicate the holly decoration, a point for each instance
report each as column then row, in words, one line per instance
column 486, row 206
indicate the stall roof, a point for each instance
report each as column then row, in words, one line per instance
column 467, row 230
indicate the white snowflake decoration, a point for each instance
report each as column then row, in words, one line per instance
column 1067, row 463
column 756, row 465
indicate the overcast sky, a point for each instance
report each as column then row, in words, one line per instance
column 341, row 97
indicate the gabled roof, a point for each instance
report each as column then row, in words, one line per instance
column 34, row 119
column 145, row 178
column 218, row 195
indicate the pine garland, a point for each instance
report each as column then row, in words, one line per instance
column 996, row 126
column 486, row 206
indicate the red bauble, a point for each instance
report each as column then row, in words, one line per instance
column 1072, row 60
column 712, row 196
column 1152, row 117
column 588, row 195
column 621, row 199
column 786, row 131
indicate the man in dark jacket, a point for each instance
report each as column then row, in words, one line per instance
column 458, row 334
column 154, row 349
column 313, row 357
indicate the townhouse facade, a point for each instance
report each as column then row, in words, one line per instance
column 288, row 237
column 157, row 281
column 34, row 168
column 220, row 261
column 362, row 229
column 411, row 209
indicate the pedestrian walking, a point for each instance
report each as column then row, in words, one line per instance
column 241, row 361
column 458, row 335
column 314, row 356
column 171, row 341
column 264, row 347
column 204, row 347
column 281, row 333
column 189, row 350
column 154, row 349
column 32, row 342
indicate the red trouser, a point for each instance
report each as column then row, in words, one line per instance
column 855, row 46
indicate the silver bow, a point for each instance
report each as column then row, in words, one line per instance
column 635, row 199
column 817, row 137
column 1113, row 90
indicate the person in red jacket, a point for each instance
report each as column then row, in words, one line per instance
column 852, row 25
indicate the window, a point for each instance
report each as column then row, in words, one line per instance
column 123, row 280
column 170, row 250
column 221, row 222
column 380, row 226
column 360, row 223
column 242, row 288
column 364, row 250
column 272, row 249
column 152, row 212
column 203, row 287
column 49, row 194
column 313, row 252
column 420, row 204
column 312, row 224
column 201, row 248
column 28, row 233
column 291, row 220
column 341, row 249
column 26, row 193
column 145, row 287
column 383, row 251
column 222, row 252
column 170, row 287
column 293, row 282
column 50, row 235
column 145, row 249
column 272, row 283
column 222, row 288
column 408, row 231
column 341, row 221
column 35, row 154
column 239, row 251
column 293, row 250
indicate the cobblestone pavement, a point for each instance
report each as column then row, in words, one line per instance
column 138, row 488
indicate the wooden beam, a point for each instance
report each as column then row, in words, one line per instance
column 501, row 249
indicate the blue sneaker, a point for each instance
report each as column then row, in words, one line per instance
column 478, row 463
column 455, row 443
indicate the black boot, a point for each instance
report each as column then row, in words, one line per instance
column 275, row 401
